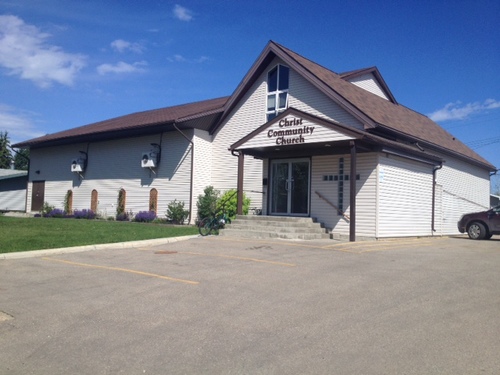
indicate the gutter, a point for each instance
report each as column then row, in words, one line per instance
column 192, row 171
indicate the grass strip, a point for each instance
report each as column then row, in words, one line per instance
column 24, row 234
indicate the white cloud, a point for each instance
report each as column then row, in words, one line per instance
column 121, row 45
column 182, row 13
column 180, row 58
column 24, row 51
column 460, row 111
column 177, row 58
column 202, row 59
column 122, row 67
column 19, row 125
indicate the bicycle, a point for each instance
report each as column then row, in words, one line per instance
column 217, row 220
column 213, row 223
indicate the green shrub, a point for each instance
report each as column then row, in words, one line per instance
column 207, row 203
column 228, row 202
column 46, row 208
column 176, row 212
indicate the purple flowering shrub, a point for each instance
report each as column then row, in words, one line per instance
column 56, row 212
column 145, row 216
column 124, row 216
column 84, row 214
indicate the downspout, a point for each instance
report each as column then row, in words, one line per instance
column 192, row 171
column 434, row 170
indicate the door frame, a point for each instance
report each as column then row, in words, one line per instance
column 270, row 187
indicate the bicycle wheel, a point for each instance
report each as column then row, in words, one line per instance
column 205, row 227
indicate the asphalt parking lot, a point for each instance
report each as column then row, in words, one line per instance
column 223, row 306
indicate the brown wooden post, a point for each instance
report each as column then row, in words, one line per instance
column 352, row 193
column 241, row 163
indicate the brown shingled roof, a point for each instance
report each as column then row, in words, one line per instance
column 134, row 121
column 378, row 115
column 388, row 115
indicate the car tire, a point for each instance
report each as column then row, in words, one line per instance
column 488, row 236
column 476, row 231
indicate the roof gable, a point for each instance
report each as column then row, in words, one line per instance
column 373, row 73
column 293, row 60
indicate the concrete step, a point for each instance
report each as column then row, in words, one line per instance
column 227, row 232
column 276, row 223
column 254, row 226
column 282, row 228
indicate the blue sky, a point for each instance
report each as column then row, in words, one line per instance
column 66, row 63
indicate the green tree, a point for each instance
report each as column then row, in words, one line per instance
column 22, row 159
column 207, row 203
column 5, row 155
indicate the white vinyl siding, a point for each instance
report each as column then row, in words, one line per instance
column 369, row 83
column 365, row 193
column 113, row 165
column 465, row 188
column 405, row 197
column 248, row 115
column 307, row 98
column 202, row 165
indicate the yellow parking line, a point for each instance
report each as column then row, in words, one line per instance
column 392, row 247
column 241, row 258
column 123, row 270
column 399, row 245
column 396, row 242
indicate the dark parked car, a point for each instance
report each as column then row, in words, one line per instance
column 481, row 225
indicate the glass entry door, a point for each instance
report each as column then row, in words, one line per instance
column 290, row 187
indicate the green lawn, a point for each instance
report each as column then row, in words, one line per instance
column 23, row 234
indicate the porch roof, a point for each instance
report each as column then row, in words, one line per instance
column 337, row 143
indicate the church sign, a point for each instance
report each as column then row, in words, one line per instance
column 290, row 132
column 293, row 130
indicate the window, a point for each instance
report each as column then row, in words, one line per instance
column 94, row 200
column 153, row 200
column 277, row 91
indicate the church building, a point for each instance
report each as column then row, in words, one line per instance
column 298, row 138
